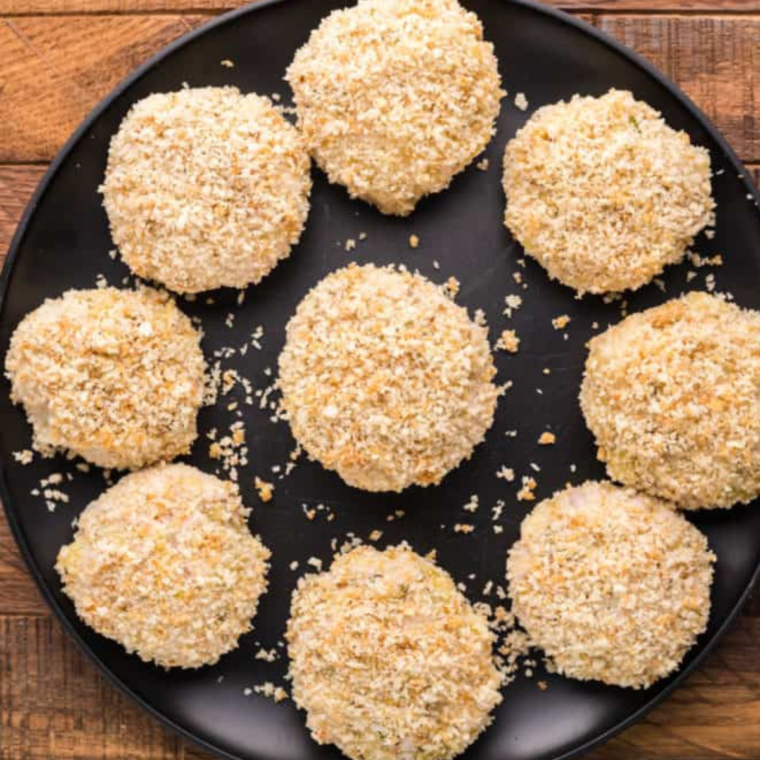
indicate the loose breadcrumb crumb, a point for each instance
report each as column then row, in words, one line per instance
column 24, row 457
column 529, row 485
column 512, row 304
column 265, row 490
column 508, row 341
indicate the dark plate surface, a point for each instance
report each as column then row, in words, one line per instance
column 63, row 243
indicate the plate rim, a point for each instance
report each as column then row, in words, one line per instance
column 13, row 249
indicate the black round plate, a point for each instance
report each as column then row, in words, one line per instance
column 63, row 243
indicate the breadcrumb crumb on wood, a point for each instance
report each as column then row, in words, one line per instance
column 482, row 165
column 464, row 528
column 521, row 102
column 561, row 322
column 227, row 63
column 547, row 438
column 414, row 241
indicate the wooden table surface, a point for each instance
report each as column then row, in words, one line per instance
column 58, row 58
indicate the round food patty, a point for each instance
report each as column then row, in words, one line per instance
column 206, row 187
column 389, row 659
column 395, row 97
column 163, row 563
column 603, row 193
column 672, row 395
column 116, row 376
column 385, row 380
column 613, row 585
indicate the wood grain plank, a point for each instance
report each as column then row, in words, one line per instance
column 17, row 183
column 53, row 71
column 18, row 592
column 645, row 6
column 715, row 60
column 54, row 704
column 60, row 7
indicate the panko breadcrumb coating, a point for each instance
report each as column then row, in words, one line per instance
column 672, row 396
column 385, row 380
column 395, row 97
column 206, row 188
column 163, row 563
column 115, row 376
column 603, row 193
column 389, row 659
column 613, row 585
